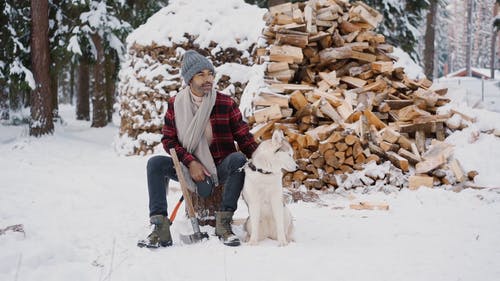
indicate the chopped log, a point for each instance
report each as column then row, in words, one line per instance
column 335, row 137
column 345, row 110
column 324, row 146
column 436, row 156
column 331, row 159
column 330, row 54
column 382, row 66
column 353, row 81
column 420, row 140
column 463, row 115
column 411, row 112
column 298, row 40
column 373, row 119
column 261, row 129
column 285, row 8
column 412, row 158
column 389, row 135
column 360, row 159
column 404, row 142
column 341, row 146
column 349, row 161
column 457, row 170
column 351, row 139
column 286, row 53
column 269, row 113
column 277, row 66
column 348, row 152
column 363, row 56
column 387, row 146
column 398, row 104
column 417, row 181
column 282, row 88
column 369, row 206
column 327, row 109
column 330, row 78
column 367, row 14
column 269, row 99
column 357, row 149
column 398, row 161
column 298, row 100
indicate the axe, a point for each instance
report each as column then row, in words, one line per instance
column 197, row 236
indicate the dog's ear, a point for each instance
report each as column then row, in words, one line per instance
column 277, row 137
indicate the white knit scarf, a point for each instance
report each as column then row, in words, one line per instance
column 191, row 124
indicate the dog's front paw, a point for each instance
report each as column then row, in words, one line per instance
column 253, row 242
column 282, row 243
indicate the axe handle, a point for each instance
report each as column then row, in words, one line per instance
column 182, row 182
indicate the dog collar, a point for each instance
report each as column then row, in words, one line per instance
column 253, row 168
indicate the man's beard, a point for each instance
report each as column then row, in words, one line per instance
column 204, row 89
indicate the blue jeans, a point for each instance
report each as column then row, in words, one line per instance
column 160, row 170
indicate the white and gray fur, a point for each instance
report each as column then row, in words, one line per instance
column 263, row 192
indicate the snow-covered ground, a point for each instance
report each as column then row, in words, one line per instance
column 83, row 209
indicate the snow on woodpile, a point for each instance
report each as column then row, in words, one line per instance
column 224, row 30
column 334, row 88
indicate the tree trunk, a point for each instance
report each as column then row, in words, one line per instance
column 41, row 98
column 493, row 42
column 430, row 34
column 54, row 83
column 468, row 51
column 82, row 99
column 99, row 116
column 271, row 3
column 4, row 101
column 72, row 83
column 205, row 208
column 110, row 73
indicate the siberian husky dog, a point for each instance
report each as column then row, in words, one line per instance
column 263, row 191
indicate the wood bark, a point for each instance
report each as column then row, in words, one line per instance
column 54, row 87
column 271, row 3
column 41, row 97
column 494, row 37
column 72, row 83
column 430, row 34
column 205, row 208
column 110, row 74
column 4, row 104
column 82, row 100
column 468, row 51
column 99, row 116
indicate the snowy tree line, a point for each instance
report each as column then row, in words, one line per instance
column 86, row 43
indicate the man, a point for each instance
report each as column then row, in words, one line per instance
column 202, row 125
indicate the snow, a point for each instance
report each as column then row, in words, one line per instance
column 230, row 23
column 412, row 69
column 83, row 208
column 17, row 67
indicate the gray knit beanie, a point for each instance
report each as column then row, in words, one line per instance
column 192, row 63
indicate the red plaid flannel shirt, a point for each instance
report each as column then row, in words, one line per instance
column 227, row 127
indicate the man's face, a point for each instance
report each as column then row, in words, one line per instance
column 202, row 82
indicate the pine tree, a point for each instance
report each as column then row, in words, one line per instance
column 16, row 79
column 430, row 35
column 41, row 98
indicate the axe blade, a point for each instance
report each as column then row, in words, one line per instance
column 194, row 238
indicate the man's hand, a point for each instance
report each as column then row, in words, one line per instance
column 197, row 171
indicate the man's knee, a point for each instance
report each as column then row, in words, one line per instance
column 158, row 162
column 237, row 160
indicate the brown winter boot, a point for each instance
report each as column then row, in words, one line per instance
column 223, row 229
column 161, row 233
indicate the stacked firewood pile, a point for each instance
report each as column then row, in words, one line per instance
column 150, row 77
column 333, row 89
